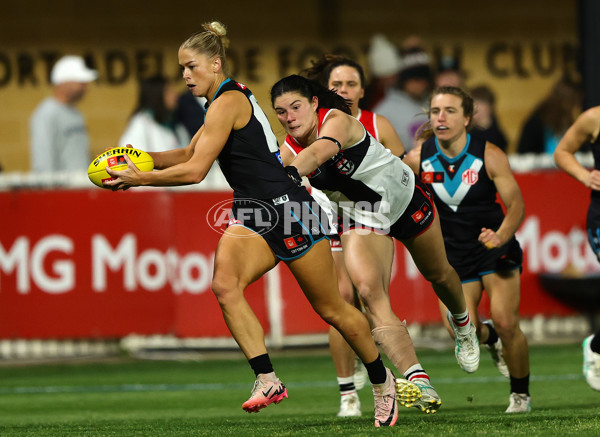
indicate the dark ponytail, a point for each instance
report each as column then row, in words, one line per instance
column 309, row 88
column 321, row 69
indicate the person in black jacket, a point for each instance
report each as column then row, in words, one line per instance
column 485, row 122
column 549, row 121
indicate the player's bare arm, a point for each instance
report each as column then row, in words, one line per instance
column 498, row 168
column 287, row 156
column 413, row 159
column 338, row 125
column 388, row 136
column 585, row 129
column 220, row 119
column 173, row 157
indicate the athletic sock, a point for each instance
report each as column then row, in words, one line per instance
column 416, row 372
column 346, row 385
column 595, row 343
column 261, row 364
column 461, row 321
column 519, row 385
column 376, row 371
column 493, row 336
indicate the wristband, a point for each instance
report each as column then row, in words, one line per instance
column 294, row 175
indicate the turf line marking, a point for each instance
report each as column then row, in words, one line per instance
column 124, row 388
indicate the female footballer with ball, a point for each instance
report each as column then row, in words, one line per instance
column 237, row 133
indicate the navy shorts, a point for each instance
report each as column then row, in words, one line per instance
column 417, row 217
column 473, row 263
column 593, row 225
column 290, row 224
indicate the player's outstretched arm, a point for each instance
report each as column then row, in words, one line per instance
column 586, row 128
column 225, row 114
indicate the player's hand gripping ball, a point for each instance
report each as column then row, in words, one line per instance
column 115, row 159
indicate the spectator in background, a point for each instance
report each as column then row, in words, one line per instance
column 58, row 136
column 550, row 119
column 190, row 112
column 485, row 123
column 153, row 126
column 449, row 73
column 405, row 105
column 384, row 64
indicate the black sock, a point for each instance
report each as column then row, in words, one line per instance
column 493, row 336
column 376, row 371
column 519, row 385
column 595, row 343
column 261, row 364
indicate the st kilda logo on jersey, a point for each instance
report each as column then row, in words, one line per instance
column 343, row 165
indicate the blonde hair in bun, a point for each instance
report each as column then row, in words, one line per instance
column 212, row 42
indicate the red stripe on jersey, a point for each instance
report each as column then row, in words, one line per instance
column 367, row 118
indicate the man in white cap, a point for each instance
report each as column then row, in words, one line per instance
column 384, row 65
column 58, row 136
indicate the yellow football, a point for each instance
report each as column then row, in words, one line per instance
column 115, row 159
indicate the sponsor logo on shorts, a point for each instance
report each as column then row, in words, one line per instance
column 422, row 214
column 470, row 177
column 294, row 241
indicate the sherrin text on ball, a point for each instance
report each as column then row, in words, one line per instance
column 115, row 159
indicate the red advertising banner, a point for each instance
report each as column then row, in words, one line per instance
column 93, row 263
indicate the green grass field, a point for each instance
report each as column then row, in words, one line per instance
column 203, row 398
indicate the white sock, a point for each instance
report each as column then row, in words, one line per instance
column 346, row 385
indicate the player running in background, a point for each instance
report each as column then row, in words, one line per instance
column 346, row 77
column 465, row 175
column 250, row 247
column 586, row 129
column 379, row 193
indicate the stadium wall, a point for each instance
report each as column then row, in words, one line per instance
column 86, row 263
